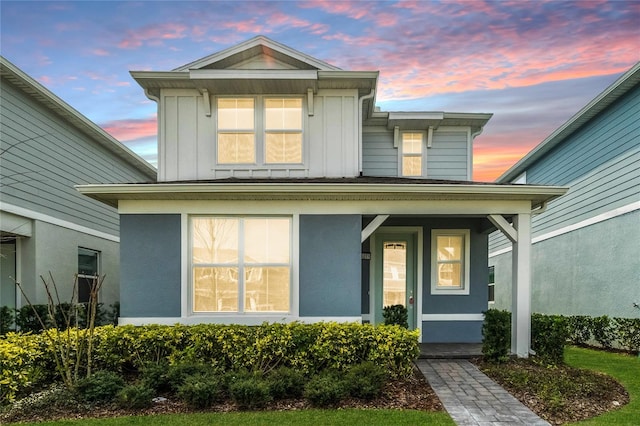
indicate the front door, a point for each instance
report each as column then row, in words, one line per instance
column 395, row 274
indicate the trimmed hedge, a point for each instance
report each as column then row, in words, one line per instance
column 309, row 348
column 549, row 334
column 496, row 335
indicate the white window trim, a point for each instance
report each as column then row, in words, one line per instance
column 423, row 154
column 98, row 254
column 242, row 315
column 492, row 284
column 260, row 135
column 435, row 290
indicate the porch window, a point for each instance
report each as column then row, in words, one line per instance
column 412, row 154
column 241, row 264
column 450, row 253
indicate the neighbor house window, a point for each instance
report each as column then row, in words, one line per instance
column 412, row 154
column 261, row 130
column 88, row 261
column 492, row 284
column 236, row 131
column 241, row 264
column 450, row 253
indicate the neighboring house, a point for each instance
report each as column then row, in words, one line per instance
column 46, row 227
column 284, row 195
column 586, row 245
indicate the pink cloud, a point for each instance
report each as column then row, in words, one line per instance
column 99, row 52
column 131, row 129
column 354, row 10
column 152, row 33
column 46, row 80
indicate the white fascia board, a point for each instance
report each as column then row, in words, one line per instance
column 253, row 74
column 416, row 115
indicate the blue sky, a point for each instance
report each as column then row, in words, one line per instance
column 532, row 63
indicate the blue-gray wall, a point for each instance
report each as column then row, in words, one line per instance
column 330, row 279
column 150, row 265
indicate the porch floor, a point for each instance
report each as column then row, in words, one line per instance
column 450, row 350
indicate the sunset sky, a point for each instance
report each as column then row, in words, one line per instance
column 532, row 63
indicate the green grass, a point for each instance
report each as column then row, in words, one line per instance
column 302, row 417
column 625, row 369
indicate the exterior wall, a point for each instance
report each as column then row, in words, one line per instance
column 448, row 158
column 452, row 318
column 330, row 265
column 187, row 139
column 150, row 262
column 590, row 271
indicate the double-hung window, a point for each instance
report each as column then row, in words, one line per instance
column 259, row 131
column 412, row 144
column 241, row 264
column 88, row 261
column 450, row 253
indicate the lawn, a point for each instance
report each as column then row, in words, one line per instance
column 301, row 417
column 625, row 369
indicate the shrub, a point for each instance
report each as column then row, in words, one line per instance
column 579, row 329
column 7, row 318
column 548, row 336
column 19, row 356
column 200, row 390
column 602, row 331
column 366, row 380
column 286, row 382
column 178, row 374
column 136, row 396
column 325, row 390
column 102, row 386
column 628, row 333
column 155, row 376
column 396, row 315
column 251, row 393
column 496, row 335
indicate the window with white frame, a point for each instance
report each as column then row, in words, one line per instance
column 88, row 263
column 412, row 156
column 241, row 264
column 262, row 130
column 492, row 284
column 450, row 253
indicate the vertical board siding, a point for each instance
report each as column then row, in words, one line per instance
column 448, row 157
column 48, row 158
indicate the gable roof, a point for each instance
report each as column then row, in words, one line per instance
column 259, row 45
column 41, row 94
column 611, row 94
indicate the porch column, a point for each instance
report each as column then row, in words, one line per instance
column 521, row 291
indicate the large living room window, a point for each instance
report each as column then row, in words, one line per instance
column 450, row 254
column 261, row 130
column 241, row 264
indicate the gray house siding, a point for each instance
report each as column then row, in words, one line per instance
column 448, row 157
column 48, row 157
column 379, row 157
column 330, row 265
column 150, row 265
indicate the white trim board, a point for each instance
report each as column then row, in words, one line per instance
column 233, row 319
column 620, row 211
column 30, row 214
column 453, row 317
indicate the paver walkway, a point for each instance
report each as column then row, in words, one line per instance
column 472, row 398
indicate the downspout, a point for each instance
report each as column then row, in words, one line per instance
column 539, row 209
column 360, row 103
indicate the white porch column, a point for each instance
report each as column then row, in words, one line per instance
column 521, row 291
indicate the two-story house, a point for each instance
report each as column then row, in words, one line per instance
column 284, row 195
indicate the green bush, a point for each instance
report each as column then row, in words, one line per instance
column 102, row 386
column 7, row 320
column 201, row 390
column 579, row 329
column 250, row 393
column 19, row 365
column 155, row 376
column 628, row 330
column 549, row 335
column 396, row 315
column 136, row 396
column 602, row 331
column 366, row 380
column 286, row 382
column 178, row 374
column 326, row 389
column 496, row 335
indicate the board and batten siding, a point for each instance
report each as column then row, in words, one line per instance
column 600, row 163
column 449, row 157
column 43, row 157
column 188, row 139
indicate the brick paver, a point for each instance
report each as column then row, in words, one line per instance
column 473, row 399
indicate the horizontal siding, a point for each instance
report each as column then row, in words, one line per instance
column 448, row 157
column 379, row 157
column 48, row 157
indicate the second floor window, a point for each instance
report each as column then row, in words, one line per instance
column 259, row 131
column 412, row 154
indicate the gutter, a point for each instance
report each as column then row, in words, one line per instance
column 360, row 120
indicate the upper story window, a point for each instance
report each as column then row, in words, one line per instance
column 259, row 131
column 412, row 156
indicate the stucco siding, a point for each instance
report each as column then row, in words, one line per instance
column 330, row 268
column 591, row 271
column 45, row 157
column 150, row 265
